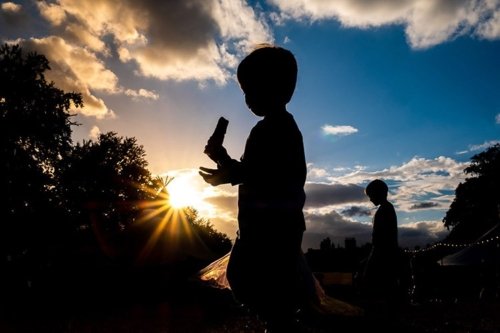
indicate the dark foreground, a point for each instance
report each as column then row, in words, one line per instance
column 188, row 306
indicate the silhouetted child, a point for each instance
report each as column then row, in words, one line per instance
column 380, row 276
column 262, row 269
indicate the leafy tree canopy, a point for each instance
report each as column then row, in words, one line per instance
column 35, row 136
column 476, row 207
column 64, row 199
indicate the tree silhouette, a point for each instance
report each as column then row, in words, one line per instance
column 69, row 210
column 217, row 242
column 35, row 137
column 476, row 206
column 167, row 235
column 103, row 185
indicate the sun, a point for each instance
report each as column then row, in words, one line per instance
column 182, row 193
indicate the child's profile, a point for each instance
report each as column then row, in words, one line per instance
column 271, row 176
column 379, row 279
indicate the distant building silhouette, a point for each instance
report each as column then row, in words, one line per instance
column 350, row 243
column 326, row 244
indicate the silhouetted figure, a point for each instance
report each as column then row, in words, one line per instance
column 379, row 280
column 263, row 265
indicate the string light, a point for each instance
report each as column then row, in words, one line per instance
column 448, row 244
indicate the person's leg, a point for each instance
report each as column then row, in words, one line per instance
column 282, row 303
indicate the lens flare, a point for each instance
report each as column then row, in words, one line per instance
column 182, row 193
column 165, row 222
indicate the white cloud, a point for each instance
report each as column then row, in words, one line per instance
column 176, row 40
column 238, row 22
column 76, row 69
column 490, row 29
column 421, row 233
column 497, row 118
column 337, row 208
column 94, row 133
column 13, row 18
column 416, row 180
column 315, row 173
column 78, row 35
column 338, row 228
column 170, row 40
column 10, row 7
column 419, row 184
column 142, row 93
column 341, row 130
column 427, row 23
column 482, row 146
column 52, row 12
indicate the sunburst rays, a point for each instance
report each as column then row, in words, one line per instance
column 169, row 224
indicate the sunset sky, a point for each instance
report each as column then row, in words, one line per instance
column 405, row 91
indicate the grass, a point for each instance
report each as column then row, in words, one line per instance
column 162, row 304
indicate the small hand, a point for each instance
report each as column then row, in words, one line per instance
column 215, row 176
column 217, row 153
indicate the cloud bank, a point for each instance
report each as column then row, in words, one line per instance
column 202, row 40
column 167, row 40
column 337, row 207
column 178, row 40
column 319, row 195
column 426, row 23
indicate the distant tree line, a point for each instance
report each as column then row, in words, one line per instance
column 67, row 205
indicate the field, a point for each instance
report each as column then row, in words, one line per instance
column 188, row 306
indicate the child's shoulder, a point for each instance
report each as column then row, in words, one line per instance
column 282, row 123
column 386, row 207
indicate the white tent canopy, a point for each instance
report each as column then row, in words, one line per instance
column 484, row 250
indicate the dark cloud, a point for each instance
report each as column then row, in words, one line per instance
column 336, row 227
column 356, row 211
column 421, row 235
column 183, row 26
column 424, row 205
column 319, row 195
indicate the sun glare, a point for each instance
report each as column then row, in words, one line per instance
column 182, row 193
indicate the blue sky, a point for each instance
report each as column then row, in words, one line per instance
column 403, row 91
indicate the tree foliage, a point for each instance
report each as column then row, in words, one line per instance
column 476, row 207
column 103, row 184
column 108, row 177
column 35, row 137
column 217, row 242
column 64, row 201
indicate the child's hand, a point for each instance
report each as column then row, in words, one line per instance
column 215, row 176
column 217, row 153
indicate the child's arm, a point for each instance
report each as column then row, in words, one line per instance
column 228, row 170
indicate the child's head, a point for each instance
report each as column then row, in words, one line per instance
column 267, row 77
column 377, row 190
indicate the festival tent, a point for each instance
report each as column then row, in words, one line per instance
column 485, row 250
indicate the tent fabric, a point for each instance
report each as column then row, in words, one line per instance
column 479, row 253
